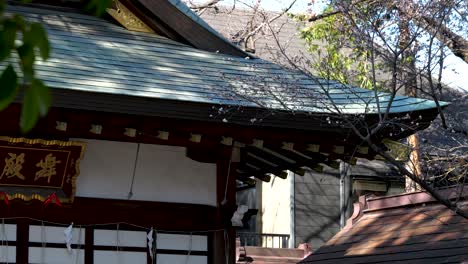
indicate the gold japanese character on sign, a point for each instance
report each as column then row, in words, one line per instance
column 48, row 168
column 13, row 166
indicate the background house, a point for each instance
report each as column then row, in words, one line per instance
column 236, row 23
column 312, row 208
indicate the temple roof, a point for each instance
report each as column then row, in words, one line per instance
column 97, row 66
column 96, row 56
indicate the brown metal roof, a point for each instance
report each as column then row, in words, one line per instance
column 260, row 255
column 263, row 255
column 407, row 228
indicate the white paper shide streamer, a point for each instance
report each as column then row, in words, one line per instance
column 236, row 219
column 150, row 242
column 68, row 232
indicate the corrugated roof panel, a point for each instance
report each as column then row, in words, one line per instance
column 90, row 54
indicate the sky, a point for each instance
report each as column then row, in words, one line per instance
column 455, row 74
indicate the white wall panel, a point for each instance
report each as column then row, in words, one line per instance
column 55, row 255
column 182, row 242
column 121, row 257
column 53, row 234
column 181, row 259
column 163, row 174
column 10, row 232
column 106, row 169
column 8, row 254
column 125, row 238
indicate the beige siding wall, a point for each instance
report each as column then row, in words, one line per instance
column 275, row 207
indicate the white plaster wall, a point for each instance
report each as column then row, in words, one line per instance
column 122, row 257
column 120, row 238
column 276, row 207
column 106, row 169
column 181, row 259
column 53, row 234
column 7, row 252
column 182, row 242
column 38, row 255
column 163, row 173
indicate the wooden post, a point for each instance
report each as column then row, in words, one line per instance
column 89, row 243
column 224, row 246
column 22, row 240
column 345, row 192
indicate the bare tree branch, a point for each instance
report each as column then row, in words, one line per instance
column 456, row 43
column 398, row 59
column 200, row 8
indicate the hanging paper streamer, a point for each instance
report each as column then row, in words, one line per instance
column 5, row 197
column 52, row 199
column 236, row 219
column 189, row 249
column 68, row 232
column 150, row 242
column 44, row 242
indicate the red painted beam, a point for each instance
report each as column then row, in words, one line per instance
column 90, row 211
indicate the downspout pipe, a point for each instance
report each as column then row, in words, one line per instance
column 345, row 172
column 292, row 211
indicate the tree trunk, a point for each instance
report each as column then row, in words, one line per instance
column 456, row 43
column 414, row 163
column 408, row 79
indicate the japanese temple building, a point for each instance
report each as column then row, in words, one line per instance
column 152, row 125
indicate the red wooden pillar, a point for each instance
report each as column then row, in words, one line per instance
column 224, row 245
column 22, row 241
column 89, row 243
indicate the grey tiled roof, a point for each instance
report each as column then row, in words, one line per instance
column 93, row 55
column 231, row 22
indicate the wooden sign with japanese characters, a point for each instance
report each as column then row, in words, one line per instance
column 34, row 168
